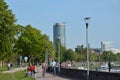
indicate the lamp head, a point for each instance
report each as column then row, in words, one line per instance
column 87, row 19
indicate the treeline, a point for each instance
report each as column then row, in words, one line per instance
column 81, row 56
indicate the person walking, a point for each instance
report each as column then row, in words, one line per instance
column 43, row 69
column 53, row 64
column 109, row 66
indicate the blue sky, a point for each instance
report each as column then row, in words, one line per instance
column 43, row 14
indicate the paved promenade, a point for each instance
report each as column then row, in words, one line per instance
column 49, row 76
column 38, row 75
column 15, row 70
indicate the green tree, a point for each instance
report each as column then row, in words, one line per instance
column 111, row 56
column 8, row 31
column 117, row 57
column 105, row 55
column 108, row 56
column 69, row 55
column 62, row 51
column 93, row 57
column 81, row 57
column 32, row 43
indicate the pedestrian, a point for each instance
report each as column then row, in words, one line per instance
column 43, row 69
column 32, row 68
column 69, row 64
column 9, row 65
column 35, row 71
column 25, row 60
column 53, row 64
column 28, row 72
column 109, row 66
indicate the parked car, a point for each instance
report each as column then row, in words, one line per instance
column 104, row 67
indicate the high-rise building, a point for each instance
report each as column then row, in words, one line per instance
column 59, row 33
column 106, row 46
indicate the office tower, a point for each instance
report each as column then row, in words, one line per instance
column 59, row 33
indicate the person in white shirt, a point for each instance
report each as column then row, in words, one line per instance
column 9, row 65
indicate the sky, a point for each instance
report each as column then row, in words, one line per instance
column 104, row 24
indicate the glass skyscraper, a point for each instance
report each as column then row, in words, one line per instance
column 59, row 33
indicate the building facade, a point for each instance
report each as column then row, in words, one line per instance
column 106, row 46
column 59, row 33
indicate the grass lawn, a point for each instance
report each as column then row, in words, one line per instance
column 3, row 69
column 14, row 76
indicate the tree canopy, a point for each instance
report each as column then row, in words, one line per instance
column 8, row 30
column 32, row 43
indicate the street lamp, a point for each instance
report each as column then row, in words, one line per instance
column 58, row 40
column 86, row 23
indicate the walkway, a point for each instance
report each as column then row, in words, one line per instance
column 15, row 70
column 38, row 75
column 49, row 76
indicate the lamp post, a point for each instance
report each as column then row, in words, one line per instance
column 46, row 55
column 58, row 40
column 86, row 23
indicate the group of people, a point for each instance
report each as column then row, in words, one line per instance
column 31, row 70
column 53, row 66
